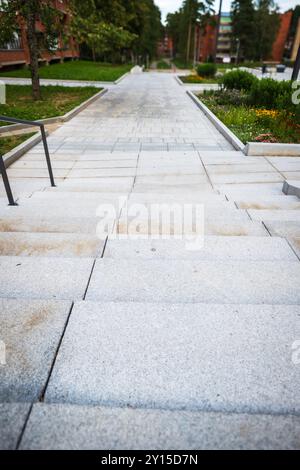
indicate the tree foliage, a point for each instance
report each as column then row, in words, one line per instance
column 181, row 25
column 255, row 25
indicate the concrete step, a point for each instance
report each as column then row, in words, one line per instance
column 274, row 282
column 36, row 173
column 26, row 186
column 178, row 356
column 44, row 278
column 23, row 163
column 63, row 204
column 101, row 172
column 12, row 420
column 31, row 331
column 175, row 197
column 67, row 427
column 147, row 220
column 21, row 222
column 94, row 164
column 95, row 185
column 268, row 202
column 172, row 180
column 50, row 245
column 236, row 169
column 238, row 178
column 286, row 229
column 238, row 191
column 281, row 215
column 198, row 189
column 214, row 248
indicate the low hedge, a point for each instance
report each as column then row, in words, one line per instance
column 239, row 80
column 207, row 70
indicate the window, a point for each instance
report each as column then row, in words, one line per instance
column 14, row 44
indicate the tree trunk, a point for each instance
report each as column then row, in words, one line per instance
column 188, row 47
column 94, row 53
column 34, row 54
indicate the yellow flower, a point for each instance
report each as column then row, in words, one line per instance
column 273, row 113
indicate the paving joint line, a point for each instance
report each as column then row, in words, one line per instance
column 43, row 392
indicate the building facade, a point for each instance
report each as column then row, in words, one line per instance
column 285, row 45
column 16, row 52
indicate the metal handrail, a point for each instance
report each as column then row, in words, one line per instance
column 46, row 149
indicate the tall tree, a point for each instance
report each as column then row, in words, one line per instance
column 243, row 27
column 30, row 12
column 191, row 14
column 91, row 26
column 173, row 29
column 266, row 26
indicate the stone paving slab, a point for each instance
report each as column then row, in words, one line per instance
column 36, row 173
column 225, row 169
column 31, row 331
column 67, row 427
column 49, row 224
column 177, row 180
column 54, row 206
column 178, row 197
column 12, row 420
column 230, row 228
column 96, row 185
column 40, row 165
column 237, row 178
column 92, row 164
column 195, row 281
column 101, row 172
column 27, row 186
column 278, row 228
column 176, row 356
column 50, row 245
column 44, row 278
column 268, row 202
column 281, row 215
column 246, row 190
column 214, row 248
column 173, row 188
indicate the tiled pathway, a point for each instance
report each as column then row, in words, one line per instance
column 141, row 343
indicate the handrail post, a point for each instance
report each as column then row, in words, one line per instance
column 6, row 183
column 47, row 155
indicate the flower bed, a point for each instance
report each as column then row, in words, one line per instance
column 256, row 110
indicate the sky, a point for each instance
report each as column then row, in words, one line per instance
column 169, row 6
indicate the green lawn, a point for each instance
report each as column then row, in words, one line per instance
column 251, row 124
column 8, row 143
column 181, row 64
column 78, row 70
column 163, row 65
column 56, row 101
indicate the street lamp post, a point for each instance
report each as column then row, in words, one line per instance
column 218, row 31
column 296, row 66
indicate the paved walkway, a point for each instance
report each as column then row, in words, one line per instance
column 142, row 343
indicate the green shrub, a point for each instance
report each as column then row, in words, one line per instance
column 271, row 94
column 207, row 70
column 238, row 80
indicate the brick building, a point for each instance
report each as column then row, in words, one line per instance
column 16, row 53
column 285, row 41
column 282, row 36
